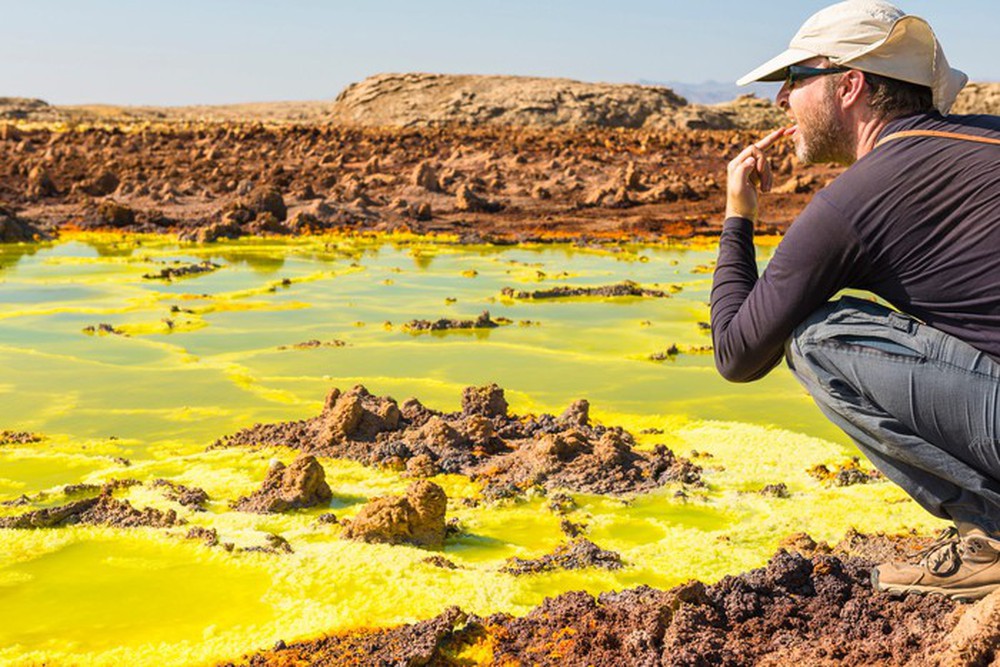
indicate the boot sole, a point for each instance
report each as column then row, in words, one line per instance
column 958, row 594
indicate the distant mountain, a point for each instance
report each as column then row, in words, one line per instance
column 714, row 92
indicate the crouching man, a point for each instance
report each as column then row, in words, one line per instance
column 915, row 220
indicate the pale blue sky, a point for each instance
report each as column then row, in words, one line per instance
column 223, row 51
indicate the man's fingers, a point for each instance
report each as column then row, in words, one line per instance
column 766, row 179
column 769, row 140
column 763, row 167
column 741, row 195
column 763, row 144
column 750, row 151
column 746, row 171
column 750, row 172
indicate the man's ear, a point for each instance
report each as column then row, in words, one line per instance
column 851, row 88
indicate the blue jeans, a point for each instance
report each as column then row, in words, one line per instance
column 923, row 406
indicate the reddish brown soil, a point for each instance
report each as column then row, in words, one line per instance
column 816, row 608
column 509, row 455
column 212, row 180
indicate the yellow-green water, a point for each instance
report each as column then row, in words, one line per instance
column 159, row 396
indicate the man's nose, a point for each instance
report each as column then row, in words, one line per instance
column 782, row 98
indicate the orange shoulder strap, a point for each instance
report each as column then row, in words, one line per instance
column 933, row 133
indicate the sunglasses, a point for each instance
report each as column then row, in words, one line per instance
column 796, row 73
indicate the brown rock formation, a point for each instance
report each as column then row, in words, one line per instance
column 814, row 609
column 355, row 415
column 40, row 183
column 510, row 455
column 445, row 324
column 114, row 214
column 267, row 199
column 298, row 485
column 625, row 288
column 579, row 554
column 193, row 497
column 467, row 200
column 485, row 401
column 416, row 518
column 425, row 176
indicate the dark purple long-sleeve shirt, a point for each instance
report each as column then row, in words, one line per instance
column 915, row 221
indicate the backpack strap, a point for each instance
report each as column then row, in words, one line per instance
column 934, row 133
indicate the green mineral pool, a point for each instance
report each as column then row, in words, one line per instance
column 182, row 362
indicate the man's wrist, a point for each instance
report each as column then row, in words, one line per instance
column 740, row 212
column 737, row 223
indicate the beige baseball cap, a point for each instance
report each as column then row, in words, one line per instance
column 871, row 36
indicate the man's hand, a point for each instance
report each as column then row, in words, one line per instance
column 746, row 172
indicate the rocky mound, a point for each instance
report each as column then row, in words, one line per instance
column 415, row 518
column 509, row 455
column 298, row 485
column 813, row 609
column 441, row 99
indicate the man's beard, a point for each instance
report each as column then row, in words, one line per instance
column 822, row 136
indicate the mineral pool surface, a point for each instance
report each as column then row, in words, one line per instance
column 124, row 374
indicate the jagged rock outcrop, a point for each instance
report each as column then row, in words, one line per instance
column 299, row 484
column 416, row 518
column 510, row 455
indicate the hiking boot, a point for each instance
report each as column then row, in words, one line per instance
column 960, row 567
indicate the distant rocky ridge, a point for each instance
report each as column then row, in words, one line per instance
column 436, row 100
column 416, row 99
